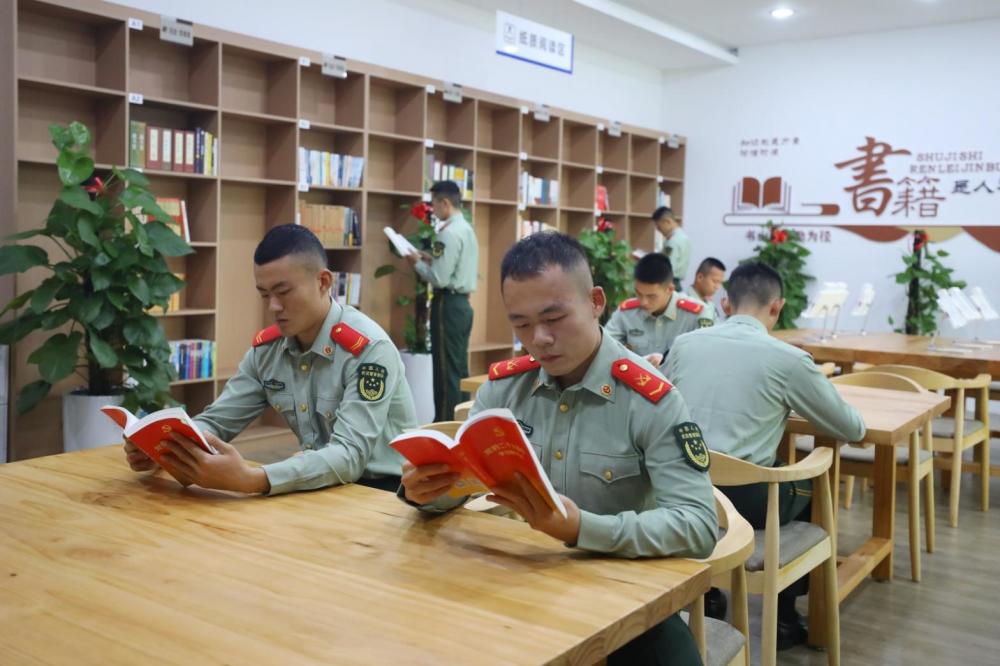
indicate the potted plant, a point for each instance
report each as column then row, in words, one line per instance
column 610, row 264
column 103, row 270
column 923, row 275
column 416, row 353
column 782, row 250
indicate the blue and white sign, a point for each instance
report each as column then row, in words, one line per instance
column 532, row 42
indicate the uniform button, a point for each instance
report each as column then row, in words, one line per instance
column 328, row 350
column 608, row 474
column 329, row 415
column 623, row 367
column 303, row 407
column 563, row 407
column 304, row 367
column 558, row 455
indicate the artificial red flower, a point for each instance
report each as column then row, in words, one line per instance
column 919, row 240
column 778, row 236
column 97, row 188
column 421, row 211
column 604, row 225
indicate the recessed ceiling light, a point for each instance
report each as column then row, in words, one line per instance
column 782, row 13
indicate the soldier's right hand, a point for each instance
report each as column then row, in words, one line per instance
column 424, row 484
column 137, row 460
column 654, row 359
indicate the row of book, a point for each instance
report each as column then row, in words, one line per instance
column 538, row 191
column 347, row 288
column 193, row 359
column 335, row 226
column 320, row 168
column 168, row 149
column 529, row 227
column 436, row 170
column 662, row 199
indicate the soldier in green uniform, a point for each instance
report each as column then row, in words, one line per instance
column 330, row 371
column 741, row 383
column 450, row 268
column 708, row 278
column 611, row 433
column 677, row 245
column 649, row 323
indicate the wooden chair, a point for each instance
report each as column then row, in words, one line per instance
column 859, row 461
column 721, row 643
column 462, row 410
column 783, row 554
column 954, row 434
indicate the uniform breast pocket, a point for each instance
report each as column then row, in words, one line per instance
column 326, row 413
column 283, row 402
column 610, row 483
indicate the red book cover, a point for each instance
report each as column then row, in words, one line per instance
column 148, row 432
column 487, row 451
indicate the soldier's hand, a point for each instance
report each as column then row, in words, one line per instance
column 424, row 484
column 520, row 496
column 137, row 459
column 655, row 359
column 225, row 470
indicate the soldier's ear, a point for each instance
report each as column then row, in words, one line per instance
column 325, row 278
column 598, row 300
column 776, row 306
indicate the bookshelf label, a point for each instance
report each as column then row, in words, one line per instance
column 599, row 170
column 663, row 140
column 430, row 89
column 522, row 155
column 426, row 196
column 303, row 186
column 673, row 143
column 304, row 123
column 135, row 98
column 521, row 207
column 134, row 23
column 615, row 128
column 525, row 110
column 600, row 127
column 428, row 143
column 659, row 179
column 452, row 92
column 305, row 61
column 176, row 30
column 542, row 113
column 334, row 66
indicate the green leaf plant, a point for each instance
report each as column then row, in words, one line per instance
column 610, row 264
column 923, row 274
column 782, row 250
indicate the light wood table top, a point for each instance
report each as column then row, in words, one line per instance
column 471, row 384
column 882, row 348
column 100, row 563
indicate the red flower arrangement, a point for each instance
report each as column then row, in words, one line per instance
column 778, row 236
column 604, row 225
column 919, row 240
column 97, row 188
column 422, row 211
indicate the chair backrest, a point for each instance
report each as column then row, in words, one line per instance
column 729, row 471
column 737, row 544
column 462, row 410
column 447, row 427
column 882, row 380
column 929, row 379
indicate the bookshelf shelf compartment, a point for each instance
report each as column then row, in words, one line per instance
column 613, row 151
column 451, row 122
column 641, row 232
column 617, row 186
column 498, row 127
column 642, row 195
column 165, row 70
column 674, row 196
column 254, row 149
column 395, row 165
column 672, row 162
column 396, row 108
column 496, row 177
column 332, row 101
column 540, row 139
column 259, row 83
column 198, row 271
column 578, row 188
column 579, row 143
column 645, row 154
column 62, row 44
column 200, row 197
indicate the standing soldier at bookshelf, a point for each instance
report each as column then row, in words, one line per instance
column 613, row 437
column 450, row 268
column 677, row 245
column 330, row 371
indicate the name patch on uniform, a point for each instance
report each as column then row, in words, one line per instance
column 635, row 332
column 437, row 249
column 692, row 443
column 274, row 385
column 371, row 381
column 528, row 430
column 704, row 323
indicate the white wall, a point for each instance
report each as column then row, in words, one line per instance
column 440, row 39
column 930, row 89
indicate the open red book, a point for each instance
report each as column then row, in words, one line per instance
column 487, row 450
column 150, row 430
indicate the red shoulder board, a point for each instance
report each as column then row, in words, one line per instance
column 514, row 366
column 690, row 306
column 348, row 338
column 650, row 384
column 269, row 334
column 629, row 304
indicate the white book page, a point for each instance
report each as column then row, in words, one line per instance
column 979, row 299
column 402, row 245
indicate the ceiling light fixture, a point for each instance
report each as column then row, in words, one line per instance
column 782, row 13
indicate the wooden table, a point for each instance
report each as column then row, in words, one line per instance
column 890, row 417
column 880, row 348
column 99, row 564
column 471, row 384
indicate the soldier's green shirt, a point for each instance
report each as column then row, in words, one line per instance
column 343, row 408
column 678, row 249
column 455, row 257
column 741, row 383
column 646, row 334
column 615, row 453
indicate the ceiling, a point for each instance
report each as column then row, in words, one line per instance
column 676, row 34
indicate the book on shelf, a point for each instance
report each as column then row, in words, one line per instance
column 601, row 201
column 529, row 227
column 148, row 432
column 173, row 303
column 538, row 191
column 166, row 149
column 436, row 170
column 335, row 226
column 347, row 288
column 323, row 169
column 400, row 242
column 487, row 451
column 193, row 359
column 662, row 199
column 177, row 209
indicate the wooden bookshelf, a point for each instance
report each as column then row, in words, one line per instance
column 80, row 60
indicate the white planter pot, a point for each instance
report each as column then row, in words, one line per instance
column 84, row 425
column 420, row 379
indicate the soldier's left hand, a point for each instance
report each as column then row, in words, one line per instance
column 520, row 496
column 225, row 470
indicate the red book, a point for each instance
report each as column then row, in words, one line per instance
column 148, row 432
column 486, row 451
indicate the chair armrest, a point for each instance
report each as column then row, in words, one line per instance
column 729, row 471
column 979, row 381
column 736, row 545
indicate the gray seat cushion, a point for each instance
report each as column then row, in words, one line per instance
column 944, row 426
column 795, row 538
column 722, row 641
column 858, row 454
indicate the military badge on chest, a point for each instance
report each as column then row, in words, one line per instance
column 274, row 385
column 635, row 332
column 528, row 430
column 371, row 381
